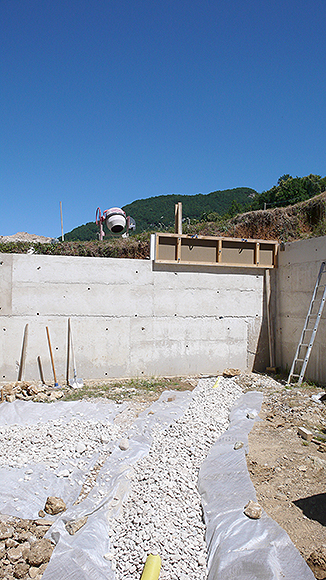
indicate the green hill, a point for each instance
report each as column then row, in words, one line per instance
column 84, row 233
column 158, row 212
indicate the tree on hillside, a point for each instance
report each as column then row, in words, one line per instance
column 290, row 190
column 283, row 178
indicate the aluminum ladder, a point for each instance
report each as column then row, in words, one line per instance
column 309, row 331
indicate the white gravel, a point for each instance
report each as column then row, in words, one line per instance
column 163, row 512
column 55, row 442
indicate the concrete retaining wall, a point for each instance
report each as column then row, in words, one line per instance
column 129, row 319
column 296, row 276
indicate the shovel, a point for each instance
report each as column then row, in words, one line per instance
column 74, row 383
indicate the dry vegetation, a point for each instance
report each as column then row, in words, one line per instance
column 303, row 220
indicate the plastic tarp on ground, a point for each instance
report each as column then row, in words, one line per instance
column 23, row 496
column 81, row 556
column 239, row 547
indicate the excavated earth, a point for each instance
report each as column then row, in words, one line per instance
column 288, row 472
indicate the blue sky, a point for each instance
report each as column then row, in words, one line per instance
column 103, row 102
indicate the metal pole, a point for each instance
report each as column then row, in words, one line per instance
column 62, row 236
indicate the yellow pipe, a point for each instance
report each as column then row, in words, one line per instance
column 217, row 383
column 152, row 568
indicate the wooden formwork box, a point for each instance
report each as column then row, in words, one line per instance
column 214, row 251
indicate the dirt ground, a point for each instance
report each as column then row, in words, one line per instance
column 287, row 471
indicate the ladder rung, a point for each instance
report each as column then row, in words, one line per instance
column 299, row 359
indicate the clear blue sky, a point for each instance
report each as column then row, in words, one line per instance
column 103, row 102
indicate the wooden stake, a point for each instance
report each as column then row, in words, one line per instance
column 62, row 236
column 39, row 362
column 51, row 356
column 269, row 322
column 68, row 351
column 178, row 218
column 23, row 354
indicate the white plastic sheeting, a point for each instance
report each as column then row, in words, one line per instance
column 81, row 556
column 29, row 413
column 239, row 547
column 23, row 490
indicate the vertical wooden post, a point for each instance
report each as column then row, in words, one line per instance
column 275, row 255
column 219, row 250
column 39, row 362
column 178, row 249
column 51, row 357
column 269, row 319
column 157, row 240
column 68, row 352
column 257, row 248
column 178, row 228
column 62, row 236
column 23, row 354
column 178, row 218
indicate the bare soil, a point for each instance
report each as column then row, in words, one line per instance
column 287, row 471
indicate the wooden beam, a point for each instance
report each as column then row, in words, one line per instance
column 178, row 218
column 23, row 354
column 219, row 250
column 270, row 327
column 257, row 249
column 179, row 249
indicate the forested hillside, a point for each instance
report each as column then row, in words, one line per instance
column 158, row 212
column 290, row 190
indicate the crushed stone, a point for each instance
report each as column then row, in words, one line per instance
column 163, row 512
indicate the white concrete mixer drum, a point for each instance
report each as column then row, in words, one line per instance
column 115, row 220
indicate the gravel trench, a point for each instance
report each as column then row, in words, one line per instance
column 163, row 513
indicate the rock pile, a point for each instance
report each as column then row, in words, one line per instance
column 163, row 513
column 24, row 552
column 25, row 237
column 29, row 391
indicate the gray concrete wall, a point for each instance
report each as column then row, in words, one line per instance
column 127, row 318
column 296, row 276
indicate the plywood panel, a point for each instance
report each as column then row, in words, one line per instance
column 266, row 255
column 194, row 250
column 234, row 252
column 166, row 250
